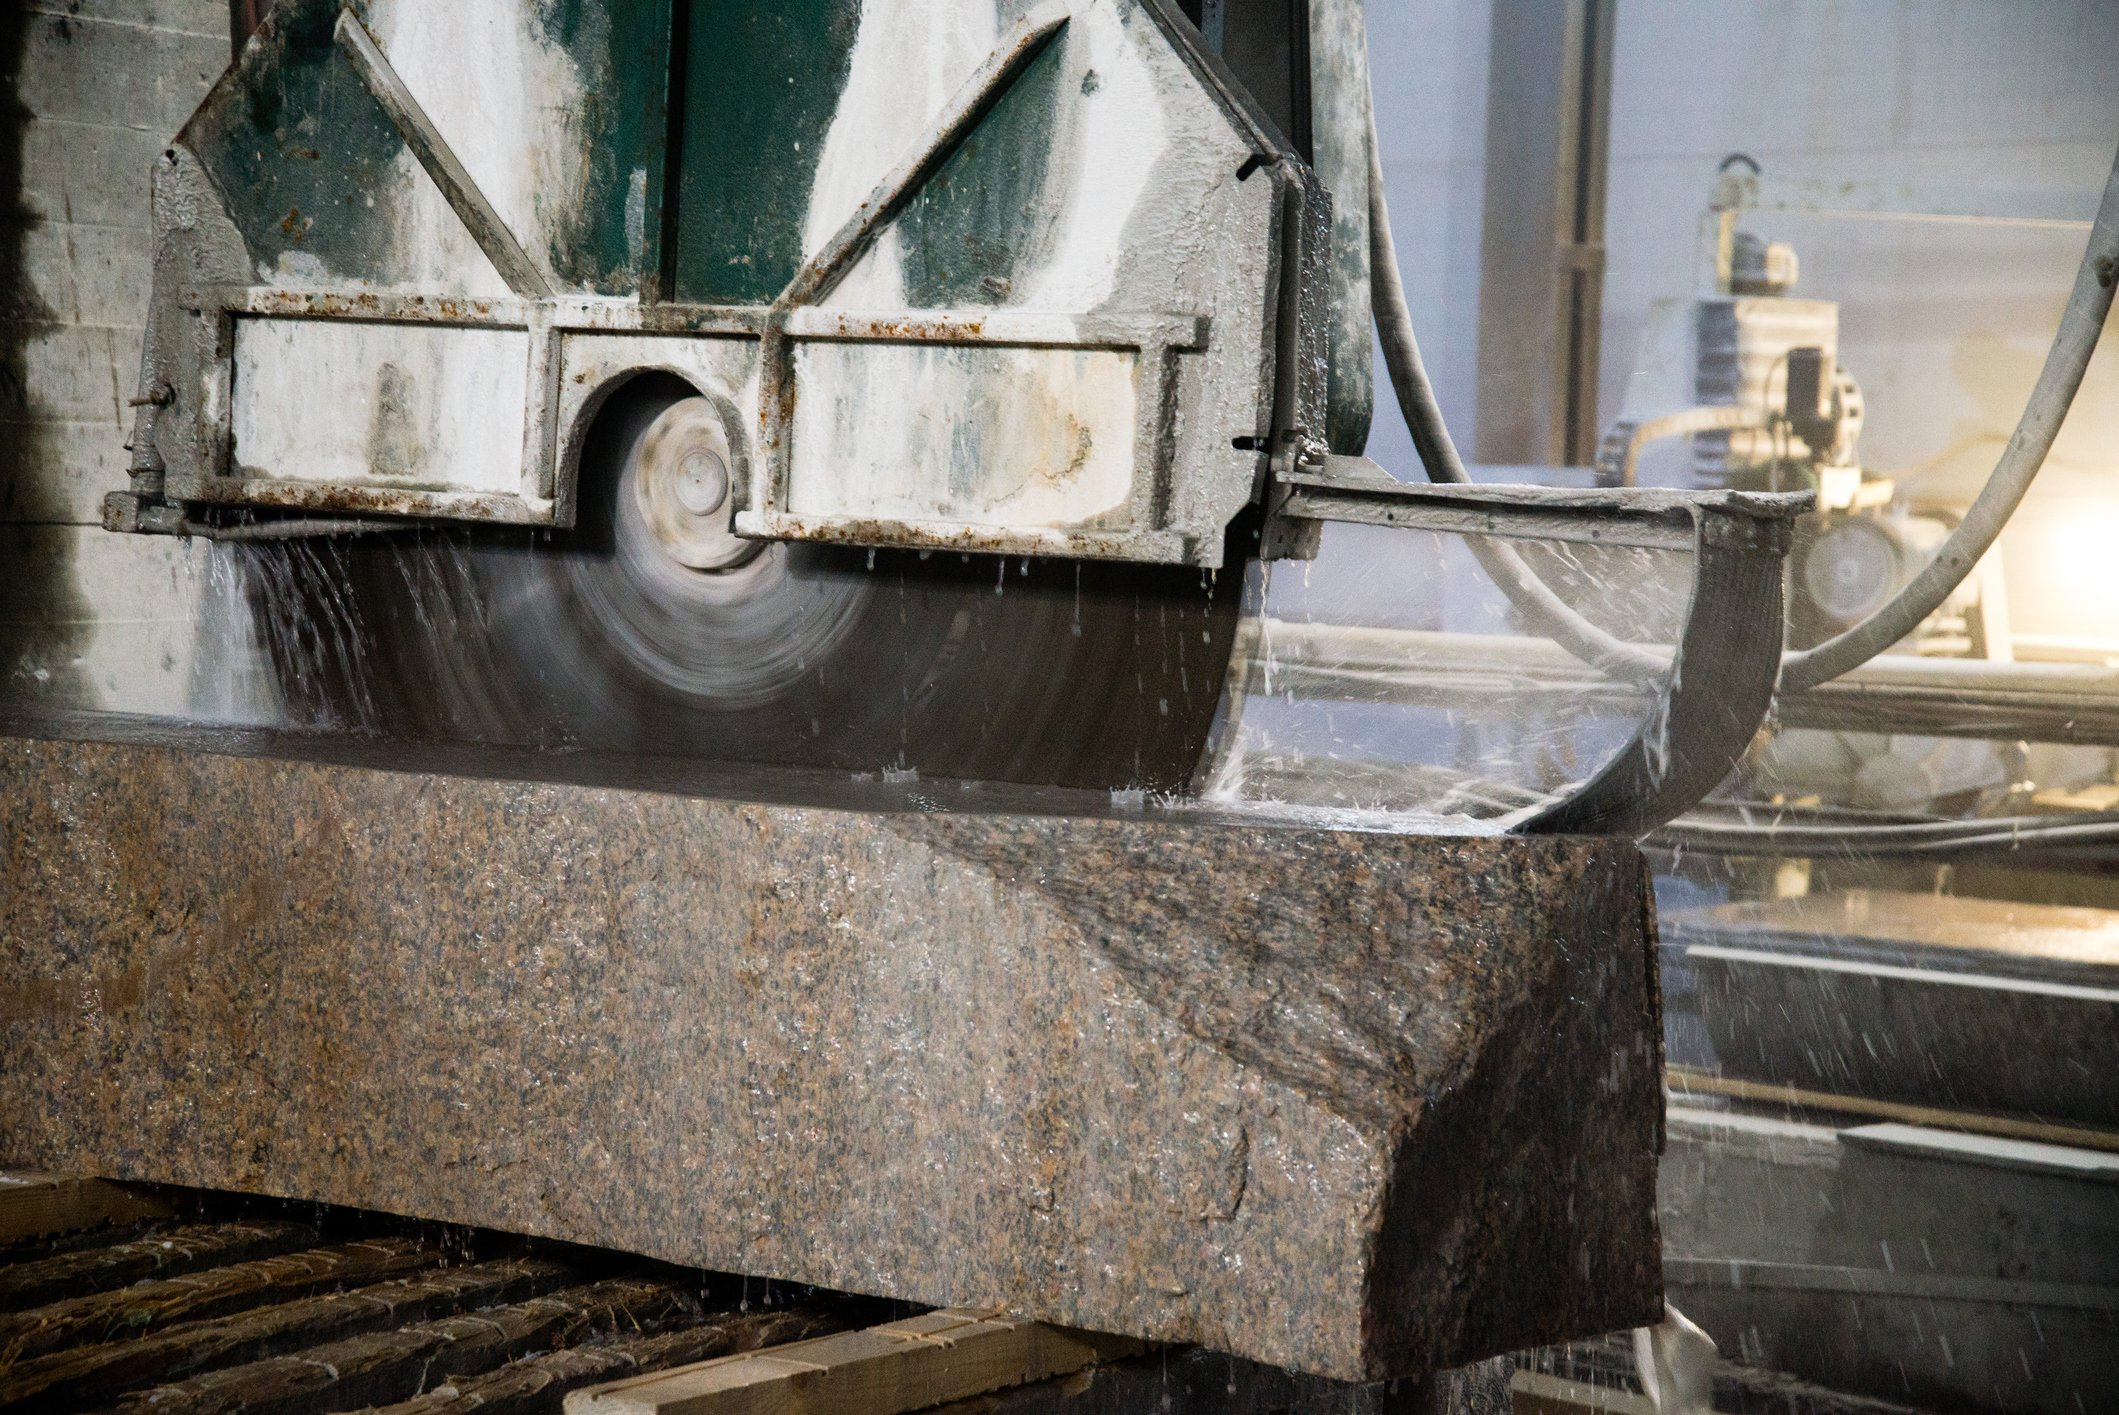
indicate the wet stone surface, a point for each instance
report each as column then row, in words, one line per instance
column 1356, row 1104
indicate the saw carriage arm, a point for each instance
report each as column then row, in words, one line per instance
column 1714, row 687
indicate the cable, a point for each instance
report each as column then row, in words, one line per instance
column 1543, row 610
column 2080, row 325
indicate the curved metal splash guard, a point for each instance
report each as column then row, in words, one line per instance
column 1726, row 664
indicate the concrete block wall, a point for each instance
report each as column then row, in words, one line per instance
column 90, row 91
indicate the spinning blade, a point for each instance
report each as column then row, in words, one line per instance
column 612, row 638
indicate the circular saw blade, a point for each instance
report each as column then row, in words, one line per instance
column 1037, row 671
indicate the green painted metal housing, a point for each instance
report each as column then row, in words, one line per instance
column 670, row 169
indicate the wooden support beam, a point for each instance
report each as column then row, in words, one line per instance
column 161, row 1254
column 386, row 1366
column 532, row 1385
column 36, row 1205
column 150, row 1306
column 883, row 1370
column 86, row 1376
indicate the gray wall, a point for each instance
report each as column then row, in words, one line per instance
column 1428, row 63
column 1945, row 326
column 90, row 90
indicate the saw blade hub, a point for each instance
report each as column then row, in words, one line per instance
column 680, row 482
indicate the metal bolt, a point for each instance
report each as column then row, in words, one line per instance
column 702, row 483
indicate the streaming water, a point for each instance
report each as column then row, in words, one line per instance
column 1384, row 685
column 1393, row 676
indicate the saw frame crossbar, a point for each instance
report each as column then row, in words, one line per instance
column 1356, row 489
column 1726, row 665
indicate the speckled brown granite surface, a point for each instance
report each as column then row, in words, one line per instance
column 1355, row 1104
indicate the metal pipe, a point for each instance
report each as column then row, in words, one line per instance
column 292, row 529
column 1710, row 834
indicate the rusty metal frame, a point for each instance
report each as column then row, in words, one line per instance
column 543, row 499
column 1156, row 339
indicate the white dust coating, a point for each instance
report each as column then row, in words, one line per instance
column 1119, row 133
column 981, row 436
column 909, row 59
column 380, row 405
column 1106, row 139
column 430, row 251
column 1010, row 437
column 636, row 219
column 509, row 102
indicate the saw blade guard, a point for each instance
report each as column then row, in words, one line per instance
column 973, row 276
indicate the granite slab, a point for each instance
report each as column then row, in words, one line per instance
column 1356, row 1104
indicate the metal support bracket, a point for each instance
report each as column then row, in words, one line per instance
column 1725, row 666
column 440, row 161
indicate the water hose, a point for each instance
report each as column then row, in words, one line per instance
column 2080, row 325
column 1543, row 611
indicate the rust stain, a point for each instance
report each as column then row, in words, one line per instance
column 967, row 539
column 365, row 304
column 378, row 501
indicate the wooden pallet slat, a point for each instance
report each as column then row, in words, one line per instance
column 159, row 1254
column 535, row 1385
column 187, row 1348
column 376, row 1367
column 882, row 1370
